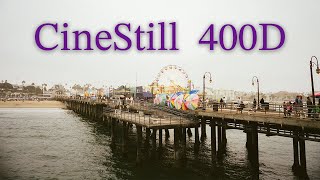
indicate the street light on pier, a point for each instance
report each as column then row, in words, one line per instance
column 257, row 80
column 204, row 87
column 311, row 75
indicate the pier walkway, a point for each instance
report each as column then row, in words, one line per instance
column 151, row 121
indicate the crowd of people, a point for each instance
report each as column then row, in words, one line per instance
column 298, row 107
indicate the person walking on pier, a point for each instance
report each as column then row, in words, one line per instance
column 284, row 109
column 221, row 103
column 238, row 102
column 254, row 104
column 224, row 102
column 289, row 108
column 262, row 103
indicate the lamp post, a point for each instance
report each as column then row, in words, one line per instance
column 257, row 80
column 204, row 87
column 311, row 75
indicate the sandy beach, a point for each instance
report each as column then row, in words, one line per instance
column 31, row 104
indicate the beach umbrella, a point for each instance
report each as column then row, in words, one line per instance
column 173, row 97
column 168, row 101
column 178, row 102
column 171, row 100
column 184, row 106
column 192, row 101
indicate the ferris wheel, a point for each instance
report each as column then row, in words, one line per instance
column 172, row 76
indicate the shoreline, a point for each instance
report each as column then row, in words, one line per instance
column 32, row 104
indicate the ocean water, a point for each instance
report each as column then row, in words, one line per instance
column 59, row 144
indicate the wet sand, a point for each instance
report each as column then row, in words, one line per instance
column 31, row 104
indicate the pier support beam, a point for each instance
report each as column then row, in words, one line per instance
column 154, row 142
column 175, row 143
column 249, row 139
column 255, row 146
column 124, row 138
column 213, row 141
column 220, row 147
column 139, row 140
column 224, row 136
column 197, row 142
column 303, row 161
column 176, row 146
column 160, row 139
column 203, row 129
column 196, row 132
column 148, row 132
column 296, row 164
column 184, row 143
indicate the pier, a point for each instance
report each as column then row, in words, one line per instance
column 154, row 121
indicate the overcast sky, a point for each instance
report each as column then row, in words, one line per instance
column 285, row 69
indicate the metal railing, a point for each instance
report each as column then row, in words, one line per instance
column 286, row 110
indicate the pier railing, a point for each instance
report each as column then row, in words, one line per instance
column 285, row 110
column 149, row 120
column 269, row 109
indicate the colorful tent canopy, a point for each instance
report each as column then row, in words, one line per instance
column 192, row 101
column 178, row 102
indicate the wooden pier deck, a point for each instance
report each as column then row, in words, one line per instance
column 154, row 122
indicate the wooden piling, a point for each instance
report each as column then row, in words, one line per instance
column 154, row 142
column 196, row 136
column 147, row 139
column 184, row 143
column 224, row 135
column 124, row 138
column 139, row 140
column 295, row 144
column 175, row 143
column 303, row 161
column 160, row 139
column 220, row 147
column 203, row 129
column 255, row 146
column 213, row 141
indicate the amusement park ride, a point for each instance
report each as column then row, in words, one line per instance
column 172, row 88
column 171, row 79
